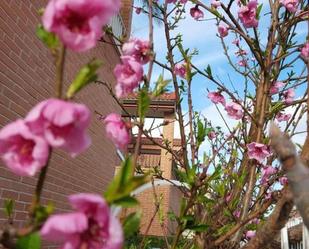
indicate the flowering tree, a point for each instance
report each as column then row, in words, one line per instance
column 237, row 193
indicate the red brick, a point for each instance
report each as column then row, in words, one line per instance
column 27, row 76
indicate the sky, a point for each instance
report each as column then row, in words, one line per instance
column 203, row 36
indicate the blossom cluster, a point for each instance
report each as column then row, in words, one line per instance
column 234, row 110
column 79, row 24
column 247, row 13
column 181, row 70
column 290, row 5
column 117, row 130
column 258, row 151
column 25, row 144
column 305, row 51
column 129, row 73
column 288, row 95
column 92, row 225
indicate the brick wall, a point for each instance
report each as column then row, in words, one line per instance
column 147, row 201
column 26, row 77
column 126, row 14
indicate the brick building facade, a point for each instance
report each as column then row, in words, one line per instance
column 26, row 77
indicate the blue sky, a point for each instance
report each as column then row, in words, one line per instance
column 202, row 36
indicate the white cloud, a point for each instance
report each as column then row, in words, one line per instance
column 209, row 58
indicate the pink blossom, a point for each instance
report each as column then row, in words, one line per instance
column 242, row 63
column 250, row 234
column 268, row 195
column 63, row 124
column 183, row 1
column 266, row 173
column 236, row 213
column 196, row 13
column 79, row 23
column 255, row 221
column 138, row 10
column 128, row 75
column 23, row 152
column 171, row 1
column 283, row 180
column 228, row 198
column 181, row 70
column 212, row 135
column 289, row 96
column 305, row 51
column 247, row 14
column 275, row 88
column 234, row 110
column 138, row 49
column 258, row 151
column 236, row 42
column 215, row 3
column 116, row 130
column 223, row 30
column 290, row 5
column 216, row 98
column 283, row 117
column 241, row 52
column 91, row 226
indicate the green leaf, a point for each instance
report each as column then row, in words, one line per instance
column 198, row 228
column 241, row 179
column 31, row 241
column 143, row 103
column 216, row 13
column 180, row 175
column 234, row 153
column 160, row 86
column 191, row 174
column 127, row 201
column 124, row 174
column 234, row 203
column 204, row 199
column 41, row 11
column 216, row 175
column 49, row 39
column 131, row 224
column 183, row 204
column 224, row 229
column 172, row 216
column 208, row 71
column 124, row 183
column 200, row 132
column 188, row 217
column 41, row 213
column 258, row 12
column 276, row 107
column 9, row 207
column 86, row 75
